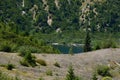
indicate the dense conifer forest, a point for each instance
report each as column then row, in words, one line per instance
column 36, row 23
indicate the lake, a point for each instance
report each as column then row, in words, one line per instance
column 69, row 48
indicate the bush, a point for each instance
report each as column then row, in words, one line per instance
column 24, row 63
column 41, row 62
column 109, row 44
column 71, row 75
column 49, row 73
column 97, row 47
column 28, row 60
column 10, row 66
column 94, row 77
column 103, row 70
column 5, row 47
column 107, row 78
column 23, row 52
column 41, row 78
column 56, row 64
column 24, row 49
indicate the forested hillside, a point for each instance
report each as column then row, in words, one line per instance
column 50, row 15
column 37, row 18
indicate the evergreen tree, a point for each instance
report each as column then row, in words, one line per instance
column 70, row 75
column 87, row 46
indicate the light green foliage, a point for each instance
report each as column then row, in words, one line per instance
column 105, row 43
column 49, row 72
column 10, row 66
column 41, row 62
column 103, row 70
column 107, row 78
column 7, row 77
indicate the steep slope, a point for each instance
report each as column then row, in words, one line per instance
column 46, row 16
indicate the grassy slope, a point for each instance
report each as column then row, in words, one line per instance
column 84, row 64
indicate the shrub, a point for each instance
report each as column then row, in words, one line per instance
column 41, row 62
column 56, row 64
column 28, row 60
column 32, row 49
column 41, row 78
column 23, row 51
column 94, row 77
column 71, row 75
column 97, row 46
column 24, row 63
column 109, row 44
column 107, row 78
column 5, row 47
column 10, row 66
column 49, row 72
column 103, row 70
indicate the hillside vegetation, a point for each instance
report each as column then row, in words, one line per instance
column 59, row 15
column 36, row 23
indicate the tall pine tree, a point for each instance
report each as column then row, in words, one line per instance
column 87, row 46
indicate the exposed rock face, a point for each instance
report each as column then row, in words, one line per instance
column 23, row 3
column 57, row 3
column 46, row 7
column 49, row 21
column 34, row 11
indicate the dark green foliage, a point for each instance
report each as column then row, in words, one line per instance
column 71, row 75
column 109, row 44
column 41, row 78
column 5, row 46
column 24, row 63
column 28, row 60
column 103, row 70
column 87, row 45
column 65, row 16
column 56, row 64
column 49, row 72
column 23, row 52
column 107, row 78
column 94, row 77
column 71, row 51
column 108, row 14
column 18, row 27
column 10, row 66
column 13, row 42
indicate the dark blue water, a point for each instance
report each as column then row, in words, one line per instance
column 66, row 49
